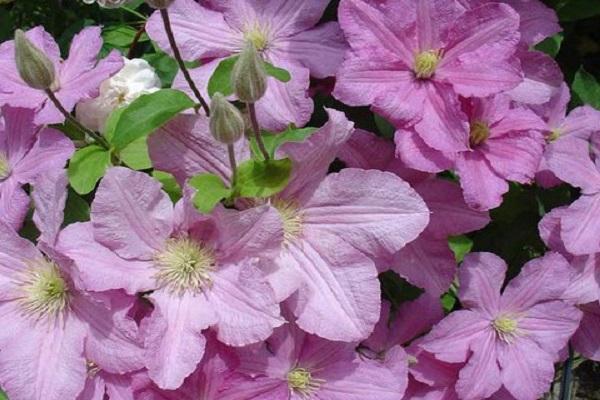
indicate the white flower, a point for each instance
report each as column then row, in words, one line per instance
column 135, row 79
column 108, row 3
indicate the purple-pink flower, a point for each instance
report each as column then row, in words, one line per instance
column 77, row 78
column 508, row 340
column 26, row 151
column 202, row 269
column 285, row 33
column 411, row 60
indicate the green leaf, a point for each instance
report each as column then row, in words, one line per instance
column 211, row 190
column 121, row 36
column 448, row 302
column 146, row 114
column 86, row 168
column 3, row 395
column 386, row 129
column 575, row 10
column 273, row 141
column 220, row 81
column 280, row 74
column 76, row 209
column 169, row 184
column 263, row 178
column 551, row 45
column 166, row 68
column 135, row 155
column 461, row 246
column 587, row 88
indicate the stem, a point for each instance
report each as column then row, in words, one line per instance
column 99, row 139
column 567, row 378
column 132, row 11
column 233, row 164
column 167, row 23
column 135, row 41
column 256, row 129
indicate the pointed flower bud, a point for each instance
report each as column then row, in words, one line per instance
column 35, row 68
column 226, row 121
column 249, row 76
column 159, row 4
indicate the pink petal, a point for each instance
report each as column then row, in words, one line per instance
column 477, row 76
column 515, row 158
column 49, row 197
column 538, row 21
column 173, row 336
column 98, row 267
column 15, row 253
column 94, row 389
column 262, row 388
column 14, row 204
column 569, row 160
column 541, row 279
column 581, row 122
column 584, row 287
column 480, row 378
column 550, row 227
column 339, row 296
column 244, row 304
column 580, row 229
column 184, row 147
column 200, row 75
column 587, row 339
column 353, row 204
column 367, row 151
column 551, row 325
column 482, row 187
column 527, row 370
column 131, row 214
column 542, row 78
column 18, row 133
column 199, row 32
column 451, row 339
column 45, row 361
column 481, row 277
column 415, row 318
column 415, row 153
column 320, row 49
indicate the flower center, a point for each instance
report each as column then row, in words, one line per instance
column 506, row 327
column 4, row 167
column 46, row 292
column 301, row 381
column 184, row 265
column 291, row 218
column 480, row 132
column 554, row 135
column 257, row 35
column 426, row 62
column 92, row 368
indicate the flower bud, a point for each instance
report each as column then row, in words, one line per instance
column 226, row 121
column 249, row 76
column 35, row 68
column 159, row 4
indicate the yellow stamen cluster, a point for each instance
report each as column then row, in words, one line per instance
column 258, row 35
column 184, row 265
column 301, row 381
column 426, row 62
column 291, row 218
column 4, row 167
column 92, row 368
column 506, row 327
column 480, row 132
column 46, row 293
column 554, row 135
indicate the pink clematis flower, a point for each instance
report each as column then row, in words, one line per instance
column 26, row 151
column 574, row 160
column 100, row 384
column 282, row 30
column 411, row 60
column 294, row 365
column 426, row 262
column 202, row 269
column 510, row 339
column 56, row 333
column 77, row 78
column 506, row 144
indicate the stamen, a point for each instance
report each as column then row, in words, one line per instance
column 507, row 327
column 291, row 218
column 92, row 368
column 258, row 35
column 46, row 292
column 4, row 167
column 426, row 63
column 184, row 265
column 480, row 132
column 301, row 381
column 554, row 135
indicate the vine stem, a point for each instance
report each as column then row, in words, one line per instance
column 567, row 378
column 167, row 23
column 136, row 40
column 232, row 163
column 99, row 139
column 256, row 130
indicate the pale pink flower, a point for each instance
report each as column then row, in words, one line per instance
column 202, row 269
column 55, row 333
column 77, row 78
column 284, row 31
column 510, row 339
column 26, row 151
column 410, row 60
